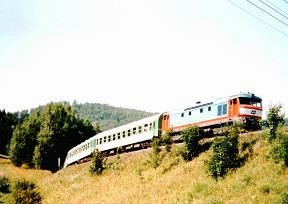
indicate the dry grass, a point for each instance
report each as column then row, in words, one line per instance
column 131, row 179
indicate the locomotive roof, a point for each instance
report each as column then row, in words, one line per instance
column 219, row 100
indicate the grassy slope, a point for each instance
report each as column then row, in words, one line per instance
column 130, row 179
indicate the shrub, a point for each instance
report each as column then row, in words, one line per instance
column 26, row 192
column 191, row 136
column 279, row 149
column 225, row 157
column 97, row 165
column 284, row 198
column 154, row 157
column 4, row 184
column 236, row 129
column 166, row 139
column 275, row 117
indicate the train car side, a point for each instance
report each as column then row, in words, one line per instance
column 125, row 136
column 244, row 107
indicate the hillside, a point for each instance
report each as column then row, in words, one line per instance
column 131, row 179
column 108, row 116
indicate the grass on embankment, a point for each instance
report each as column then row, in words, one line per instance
column 130, row 179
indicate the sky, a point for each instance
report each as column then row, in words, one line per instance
column 153, row 55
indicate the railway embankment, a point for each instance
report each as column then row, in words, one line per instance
column 130, row 178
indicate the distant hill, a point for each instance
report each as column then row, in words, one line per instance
column 108, row 116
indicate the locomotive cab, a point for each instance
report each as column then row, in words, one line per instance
column 247, row 108
column 250, row 106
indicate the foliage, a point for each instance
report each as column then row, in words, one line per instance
column 236, row 129
column 47, row 135
column 224, row 158
column 114, row 164
column 108, row 116
column 24, row 140
column 7, row 124
column 166, row 139
column 275, row 117
column 284, row 198
column 191, row 136
column 4, row 184
column 26, row 192
column 279, row 149
column 97, row 164
column 154, row 157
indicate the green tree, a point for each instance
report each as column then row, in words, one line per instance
column 225, row 156
column 60, row 130
column 155, row 158
column 24, row 141
column 7, row 124
column 191, row 136
column 97, row 164
column 47, row 134
column 166, row 139
column 275, row 117
column 279, row 149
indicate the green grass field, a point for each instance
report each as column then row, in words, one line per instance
column 130, row 179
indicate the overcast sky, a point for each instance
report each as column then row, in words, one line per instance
column 153, row 55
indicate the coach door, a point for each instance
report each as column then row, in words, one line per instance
column 233, row 107
column 165, row 122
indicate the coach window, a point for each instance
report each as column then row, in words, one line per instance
column 182, row 114
column 145, row 127
column 118, row 135
column 129, row 133
column 109, row 138
column 104, row 139
column 189, row 112
column 114, row 137
column 150, row 126
column 219, row 110
column 123, row 134
column 209, row 108
column 201, row 110
column 224, row 109
column 140, row 129
column 97, row 142
column 134, row 131
column 100, row 140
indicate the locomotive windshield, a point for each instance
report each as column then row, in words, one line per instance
column 251, row 101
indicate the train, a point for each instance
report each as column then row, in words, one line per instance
column 242, row 107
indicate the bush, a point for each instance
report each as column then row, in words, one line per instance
column 191, row 136
column 154, row 157
column 97, row 165
column 225, row 157
column 236, row 129
column 279, row 149
column 275, row 117
column 284, row 198
column 166, row 139
column 26, row 192
column 4, row 184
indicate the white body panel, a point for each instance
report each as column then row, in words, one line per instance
column 87, row 147
column 250, row 111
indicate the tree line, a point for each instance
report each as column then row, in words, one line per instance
column 44, row 136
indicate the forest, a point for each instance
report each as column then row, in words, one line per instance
column 37, row 138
